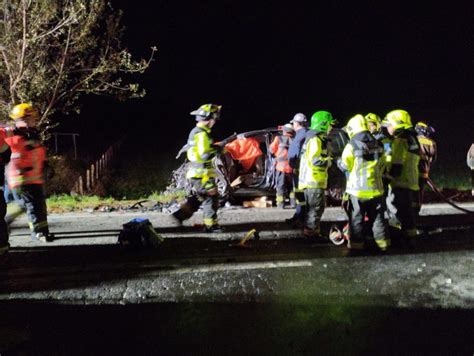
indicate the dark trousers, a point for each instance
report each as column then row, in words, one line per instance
column 315, row 203
column 3, row 223
column 34, row 202
column 300, row 198
column 402, row 215
column 200, row 197
column 284, row 183
column 374, row 210
column 419, row 201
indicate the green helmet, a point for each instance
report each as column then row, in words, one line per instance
column 321, row 121
column 399, row 119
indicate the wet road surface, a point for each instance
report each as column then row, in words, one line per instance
column 197, row 295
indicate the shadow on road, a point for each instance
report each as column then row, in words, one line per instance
column 287, row 328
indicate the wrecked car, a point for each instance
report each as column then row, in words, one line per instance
column 247, row 168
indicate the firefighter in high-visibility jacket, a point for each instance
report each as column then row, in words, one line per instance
column 375, row 128
column 25, row 173
column 428, row 155
column 403, row 173
column 201, row 173
column 364, row 160
column 313, row 171
column 380, row 133
column 284, row 173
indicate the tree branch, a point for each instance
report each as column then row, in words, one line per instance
column 53, row 101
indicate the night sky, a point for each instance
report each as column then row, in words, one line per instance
column 264, row 62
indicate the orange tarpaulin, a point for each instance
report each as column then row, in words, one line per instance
column 245, row 150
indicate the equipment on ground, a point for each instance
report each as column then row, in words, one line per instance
column 138, row 233
column 447, row 200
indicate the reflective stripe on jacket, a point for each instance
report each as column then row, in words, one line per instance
column 314, row 162
column 428, row 153
column 200, row 153
column 405, row 160
column 28, row 156
column 279, row 148
column 364, row 159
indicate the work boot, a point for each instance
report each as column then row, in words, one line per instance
column 42, row 236
column 294, row 221
column 177, row 222
column 213, row 229
column 355, row 246
column 4, row 249
column 292, row 203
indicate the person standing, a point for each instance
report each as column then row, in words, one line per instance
column 313, row 172
column 364, row 160
column 403, row 173
column 300, row 124
column 201, row 173
column 428, row 155
column 284, row 173
column 25, row 174
column 5, row 153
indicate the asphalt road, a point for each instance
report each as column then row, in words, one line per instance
column 202, row 294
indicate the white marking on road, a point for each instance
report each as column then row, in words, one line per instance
column 239, row 267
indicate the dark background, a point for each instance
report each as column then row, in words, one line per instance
column 265, row 61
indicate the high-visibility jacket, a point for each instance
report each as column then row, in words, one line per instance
column 28, row 156
column 314, row 161
column 364, row 159
column 200, row 153
column 279, row 148
column 428, row 154
column 405, row 160
column 386, row 141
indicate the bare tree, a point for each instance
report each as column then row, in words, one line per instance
column 53, row 51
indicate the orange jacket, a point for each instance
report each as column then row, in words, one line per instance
column 244, row 150
column 28, row 156
column 428, row 153
column 279, row 148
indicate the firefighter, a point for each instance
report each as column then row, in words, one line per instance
column 403, row 173
column 428, row 155
column 375, row 127
column 364, row 160
column 201, row 173
column 300, row 124
column 25, row 174
column 284, row 173
column 380, row 133
column 313, row 172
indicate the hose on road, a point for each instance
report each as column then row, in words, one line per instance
column 435, row 189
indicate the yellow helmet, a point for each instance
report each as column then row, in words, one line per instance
column 355, row 125
column 375, row 119
column 23, row 111
column 207, row 112
column 399, row 119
